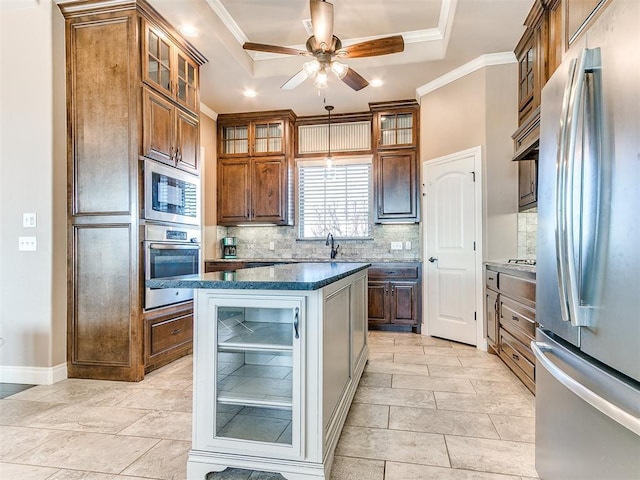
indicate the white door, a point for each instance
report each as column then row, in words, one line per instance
column 451, row 226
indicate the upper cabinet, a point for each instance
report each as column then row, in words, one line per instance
column 395, row 160
column 255, row 168
column 169, row 69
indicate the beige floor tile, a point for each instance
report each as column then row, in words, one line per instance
column 499, row 374
column 82, row 419
column 368, row 415
column 409, row 369
column 174, row 400
column 413, row 349
column 436, row 342
column 497, row 404
column 84, row 475
column 167, row 461
column 72, row 390
column 395, row 396
column 406, row 471
column 440, row 384
column 346, row 468
column 22, row 412
column 492, row 387
column 15, row 441
column 496, row 456
column 518, row 429
column 442, row 421
column 377, row 340
column 165, row 382
column 375, row 379
column 12, row 471
column 426, row 359
column 96, row 452
column 162, row 424
column 485, row 361
column 380, row 357
column 380, row 444
column 450, row 351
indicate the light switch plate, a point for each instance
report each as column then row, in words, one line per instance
column 272, row 246
column 396, row 245
column 27, row 244
column 29, row 220
column 407, row 245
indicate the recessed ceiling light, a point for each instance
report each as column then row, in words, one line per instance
column 250, row 93
column 376, row 82
column 188, row 30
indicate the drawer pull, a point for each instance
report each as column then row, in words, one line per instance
column 176, row 331
column 515, row 356
column 514, row 318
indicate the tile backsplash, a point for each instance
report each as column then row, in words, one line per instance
column 254, row 242
column 527, row 233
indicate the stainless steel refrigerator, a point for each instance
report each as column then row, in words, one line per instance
column 588, row 264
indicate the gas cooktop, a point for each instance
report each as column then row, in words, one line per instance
column 523, row 261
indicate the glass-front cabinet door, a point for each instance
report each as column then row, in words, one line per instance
column 258, row 384
column 396, row 129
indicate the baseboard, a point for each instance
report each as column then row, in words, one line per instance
column 33, row 375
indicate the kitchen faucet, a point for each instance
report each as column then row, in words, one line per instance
column 334, row 250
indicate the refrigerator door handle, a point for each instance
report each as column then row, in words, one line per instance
column 541, row 350
column 560, row 187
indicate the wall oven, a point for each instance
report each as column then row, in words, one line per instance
column 170, row 195
column 169, row 251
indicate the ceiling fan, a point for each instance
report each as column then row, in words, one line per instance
column 326, row 49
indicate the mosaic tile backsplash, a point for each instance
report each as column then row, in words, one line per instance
column 527, row 233
column 254, row 242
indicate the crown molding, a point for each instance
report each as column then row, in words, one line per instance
column 488, row 60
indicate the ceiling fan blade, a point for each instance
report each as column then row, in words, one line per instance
column 294, row 81
column 322, row 22
column 261, row 47
column 355, row 80
column 372, row 48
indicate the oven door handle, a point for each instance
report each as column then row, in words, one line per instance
column 173, row 246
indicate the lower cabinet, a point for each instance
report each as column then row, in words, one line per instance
column 168, row 335
column 394, row 296
column 511, row 321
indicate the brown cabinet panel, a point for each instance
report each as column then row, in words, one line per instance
column 234, row 199
column 396, row 186
column 519, row 288
column 518, row 316
column 527, row 184
column 579, row 14
column 268, row 197
column 158, row 126
column 187, row 142
column 517, row 357
column 394, row 295
column 491, row 318
column 187, row 82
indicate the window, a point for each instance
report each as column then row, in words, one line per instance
column 334, row 199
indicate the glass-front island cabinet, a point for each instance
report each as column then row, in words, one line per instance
column 278, row 353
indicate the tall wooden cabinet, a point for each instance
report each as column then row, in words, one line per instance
column 396, row 172
column 255, row 168
column 114, row 119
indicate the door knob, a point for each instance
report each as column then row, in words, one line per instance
column 433, row 259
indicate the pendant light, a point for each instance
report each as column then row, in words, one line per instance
column 329, row 158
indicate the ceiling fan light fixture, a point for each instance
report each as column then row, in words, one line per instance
column 339, row 68
column 321, row 79
column 311, row 68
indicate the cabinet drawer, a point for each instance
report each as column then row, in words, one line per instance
column 514, row 315
column 517, row 287
column 391, row 271
column 491, row 279
column 168, row 334
column 517, row 354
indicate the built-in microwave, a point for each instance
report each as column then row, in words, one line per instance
column 170, row 195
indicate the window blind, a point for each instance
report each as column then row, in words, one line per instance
column 334, row 199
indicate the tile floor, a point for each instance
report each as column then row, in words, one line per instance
column 425, row 409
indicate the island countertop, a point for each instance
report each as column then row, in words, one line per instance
column 292, row 276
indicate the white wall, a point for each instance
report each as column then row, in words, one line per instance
column 32, row 179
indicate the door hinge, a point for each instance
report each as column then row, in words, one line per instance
column 474, row 246
column 475, row 316
column 473, row 174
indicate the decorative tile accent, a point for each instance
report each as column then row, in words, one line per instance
column 527, row 233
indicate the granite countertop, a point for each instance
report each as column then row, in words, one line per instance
column 290, row 276
column 310, row 260
column 507, row 267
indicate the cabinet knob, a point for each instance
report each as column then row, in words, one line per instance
column 514, row 318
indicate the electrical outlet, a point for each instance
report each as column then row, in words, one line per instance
column 272, row 246
column 29, row 220
column 27, row 244
column 396, row 245
column 407, row 245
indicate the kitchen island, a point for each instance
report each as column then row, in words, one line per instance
column 278, row 353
